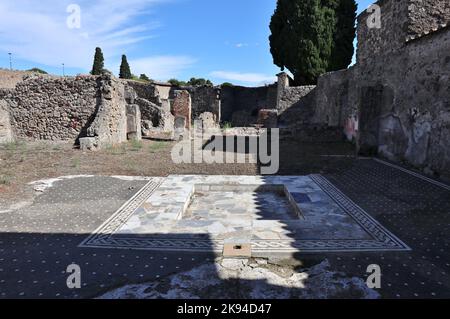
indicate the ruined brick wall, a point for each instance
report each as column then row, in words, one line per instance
column 109, row 124
column 241, row 105
column 205, row 99
column 182, row 107
column 157, row 93
column 414, row 112
column 43, row 107
column 234, row 104
column 52, row 108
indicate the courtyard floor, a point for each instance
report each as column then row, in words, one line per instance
column 43, row 226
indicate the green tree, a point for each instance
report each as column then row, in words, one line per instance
column 144, row 77
column 199, row 82
column 304, row 37
column 344, row 35
column 37, row 70
column 99, row 62
column 125, row 72
column 176, row 82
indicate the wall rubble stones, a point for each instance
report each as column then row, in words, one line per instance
column 45, row 107
column 109, row 126
column 52, row 108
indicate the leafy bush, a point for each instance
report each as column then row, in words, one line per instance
column 37, row 70
column 176, row 82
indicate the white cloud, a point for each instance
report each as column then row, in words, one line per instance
column 37, row 31
column 247, row 78
column 161, row 67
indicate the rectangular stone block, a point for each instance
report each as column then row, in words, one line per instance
column 237, row 250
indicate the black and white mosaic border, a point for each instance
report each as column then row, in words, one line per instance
column 121, row 216
column 412, row 173
column 383, row 240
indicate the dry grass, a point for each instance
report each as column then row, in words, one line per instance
column 24, row 162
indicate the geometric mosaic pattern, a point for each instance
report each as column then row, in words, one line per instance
column 379, row 239
column 101, row 236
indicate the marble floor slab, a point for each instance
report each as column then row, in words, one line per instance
column 275, row 214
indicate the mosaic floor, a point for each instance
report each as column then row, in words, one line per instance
column 37, row 242
column 276, row 214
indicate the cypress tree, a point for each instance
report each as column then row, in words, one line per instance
column 345, row 32
column 311, row 37
column 125, row 72
column 296, row 41
column 99, row 62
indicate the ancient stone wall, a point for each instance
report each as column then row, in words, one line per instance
column 427, row 15
column 390, row 37
column 43, row 107
column 241, row 105
column 182, row 107
column 52, row 108
column 395, row 102
column 205, row 99
column 109, row 126
column 291, row 95
column 403, row 95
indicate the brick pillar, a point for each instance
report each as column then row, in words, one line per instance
column 182, row 106
column 283, row 84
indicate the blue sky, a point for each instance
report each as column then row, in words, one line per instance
column 215, row 39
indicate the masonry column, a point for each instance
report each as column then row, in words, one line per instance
column 182, row 109
column 283, row 84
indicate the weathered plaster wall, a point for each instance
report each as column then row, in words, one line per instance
column 395, row 102
column 5, row 123
column 402, row 92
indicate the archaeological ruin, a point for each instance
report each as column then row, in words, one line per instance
column 394, row 102
column 135, row 188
